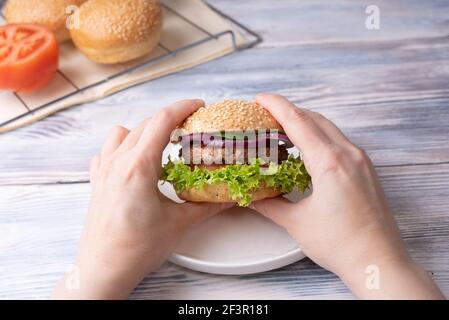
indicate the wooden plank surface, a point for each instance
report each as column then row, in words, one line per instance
column 314, row 22
column 391, row 99
column 387, row 89
column 39, row 242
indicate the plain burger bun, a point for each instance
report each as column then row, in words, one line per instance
column 219, row 193
column 49, row 13
column 229, row 115
column 113, row 31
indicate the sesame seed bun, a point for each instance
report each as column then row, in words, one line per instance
column 50, row 13
column 219, row 193
column 229, row 115
column 113, row 31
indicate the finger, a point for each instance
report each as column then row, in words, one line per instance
column 331, row 130
column 279, row 210
column 132, row 138
column 115, row 137
column 156, row 134
column 298, row 125
column 337, row 136
column 94, row 166
column 191, row 213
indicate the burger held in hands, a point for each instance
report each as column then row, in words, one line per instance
column 233, row 151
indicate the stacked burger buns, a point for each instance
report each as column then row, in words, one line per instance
column 50, row 13
column 106, row 31
column 114, row 31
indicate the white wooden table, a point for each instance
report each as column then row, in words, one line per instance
column 387, row 89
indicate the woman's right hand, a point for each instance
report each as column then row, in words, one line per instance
column 345, row 225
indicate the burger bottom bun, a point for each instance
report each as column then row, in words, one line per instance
column 117, row 54
column 219, row 193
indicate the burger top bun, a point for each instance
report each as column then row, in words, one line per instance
column 113, row 31
column 229, row 115
column 49, row 13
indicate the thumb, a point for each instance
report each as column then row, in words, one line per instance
column 279, row 210
column 195, row 212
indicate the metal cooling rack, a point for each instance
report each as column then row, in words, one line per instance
column 253, row 37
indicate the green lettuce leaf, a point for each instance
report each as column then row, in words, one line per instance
column 241, row 179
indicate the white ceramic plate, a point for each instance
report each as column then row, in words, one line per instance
column 236, row 241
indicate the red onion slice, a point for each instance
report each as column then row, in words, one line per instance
column 215, row 139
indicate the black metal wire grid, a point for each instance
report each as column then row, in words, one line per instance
column 253, row 36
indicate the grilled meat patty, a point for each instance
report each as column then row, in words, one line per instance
column 218, row 155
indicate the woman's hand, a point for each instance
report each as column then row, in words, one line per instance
column 345, row 225
column 131, row 227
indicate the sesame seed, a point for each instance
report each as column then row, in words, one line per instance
column 118, row 18
column 230, row 114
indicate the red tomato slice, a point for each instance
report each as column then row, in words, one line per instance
column 29, row 56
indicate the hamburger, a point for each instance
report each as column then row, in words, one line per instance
column 233, row 151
